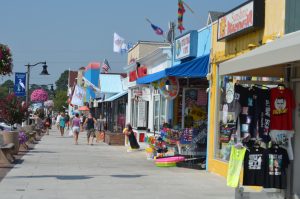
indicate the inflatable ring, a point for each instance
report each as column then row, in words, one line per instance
column 165, row 164
column 174, row 85
column 170, row 159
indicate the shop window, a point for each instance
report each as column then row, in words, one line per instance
column 139, row 112
column 160, row 110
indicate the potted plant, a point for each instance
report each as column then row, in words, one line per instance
column 12, row 111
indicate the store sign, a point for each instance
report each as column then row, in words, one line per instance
column 186, row 45
column 241, row 19
column 141, row 72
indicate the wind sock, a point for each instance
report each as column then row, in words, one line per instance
column 181, row 11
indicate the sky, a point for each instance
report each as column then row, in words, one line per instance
column 72, row 33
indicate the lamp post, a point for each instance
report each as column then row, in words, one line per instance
column 44, row 72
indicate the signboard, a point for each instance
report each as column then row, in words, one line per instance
column 142, row 111
column 186, row 45
column 247, row 16
column 20, row 82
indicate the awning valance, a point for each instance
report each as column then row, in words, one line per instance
column 114, row 97
column 265, row 60
column 151, row 78
column 197, row 67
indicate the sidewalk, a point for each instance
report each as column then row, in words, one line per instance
column 58, row 169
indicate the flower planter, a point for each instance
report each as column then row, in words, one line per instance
column 11, row 137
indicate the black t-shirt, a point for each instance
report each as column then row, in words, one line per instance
column 277, row 162
column 254, row 167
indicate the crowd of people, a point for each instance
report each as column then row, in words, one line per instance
column 79, row 123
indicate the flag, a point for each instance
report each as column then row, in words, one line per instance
column 181, row 11
column 77, row 98
column 119, row 44
column 105, row 66
column 157, row 29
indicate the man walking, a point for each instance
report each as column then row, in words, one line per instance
column 90, row 126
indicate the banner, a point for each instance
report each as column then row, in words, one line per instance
column 20, row 81
column 90, row 85
column 78, row 96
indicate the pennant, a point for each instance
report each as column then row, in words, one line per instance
column 181, row 11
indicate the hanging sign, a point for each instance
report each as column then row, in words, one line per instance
column 245, row 17
column 186, row 45
column 169, row 87
column 20, row 81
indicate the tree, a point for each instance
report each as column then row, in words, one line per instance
column 62, row 82
column 60, row 100
column 6, row 88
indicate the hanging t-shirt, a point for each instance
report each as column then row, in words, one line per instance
column 277, row 162
column 282, row 106
column 284, row 140
column 263, row 113
column 235, row 166
column 254, row 167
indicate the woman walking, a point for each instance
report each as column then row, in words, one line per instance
column 47, row 125
column 76, row 127
column 62, row 124
column 90, row 125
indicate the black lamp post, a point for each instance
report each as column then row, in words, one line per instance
column 44, row 72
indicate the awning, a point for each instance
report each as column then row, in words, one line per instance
column 151, row 78
column 197, row 67
column 114, row 97
column 263, row 60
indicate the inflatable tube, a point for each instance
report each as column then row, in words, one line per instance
column 165, row 164
column 170, row 159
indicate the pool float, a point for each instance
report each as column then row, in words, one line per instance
column 165, row 164
column 170, row 159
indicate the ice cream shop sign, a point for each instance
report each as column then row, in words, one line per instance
column 242, row 19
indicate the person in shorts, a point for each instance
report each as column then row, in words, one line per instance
column 76, row 127
column 90, row 126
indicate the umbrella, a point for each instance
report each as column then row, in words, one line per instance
column 83, row 108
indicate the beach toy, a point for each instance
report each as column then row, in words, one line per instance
column 170, row 159
column 165, row 164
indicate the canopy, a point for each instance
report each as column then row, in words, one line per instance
column 151, row 78
column 83, row 108
column 266, row 60
column 197, row 67
column 114, row 97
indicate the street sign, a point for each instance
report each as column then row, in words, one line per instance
column 20, row 82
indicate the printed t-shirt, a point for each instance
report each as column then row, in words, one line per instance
column 277, row 162
column 235, row 166
column 282, row 106
column 254, row 167
column 284, row 140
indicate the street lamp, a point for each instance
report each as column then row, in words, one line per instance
column 44, row 72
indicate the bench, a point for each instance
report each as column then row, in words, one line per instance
column 6, row 153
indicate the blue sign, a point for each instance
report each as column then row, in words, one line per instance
column 20, row 82
column 186, row 45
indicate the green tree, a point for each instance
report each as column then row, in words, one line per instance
column 6, row 88
column 60, row 100
column 62, row 82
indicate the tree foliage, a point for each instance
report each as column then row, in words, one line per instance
column 6, row 88
column 60, row 100
column 62, row 82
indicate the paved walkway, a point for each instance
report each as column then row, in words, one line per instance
column 58, row 169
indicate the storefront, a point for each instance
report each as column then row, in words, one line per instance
column 247, row 120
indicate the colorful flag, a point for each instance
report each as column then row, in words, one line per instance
column 157, row 29
column 105, row 66
column 181, row 11
column 119, row 44
column 78, row 96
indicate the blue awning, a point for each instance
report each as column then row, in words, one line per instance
column 151, row 78
column 117, row 96
column 197, row 67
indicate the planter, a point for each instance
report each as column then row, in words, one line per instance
column 11, row 137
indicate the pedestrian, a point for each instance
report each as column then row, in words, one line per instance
column 47, row 124
column 67, row 119
column 128, row 131
column 62, row 124
column 57, row 121
column 76, row 127
column 90, row 126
